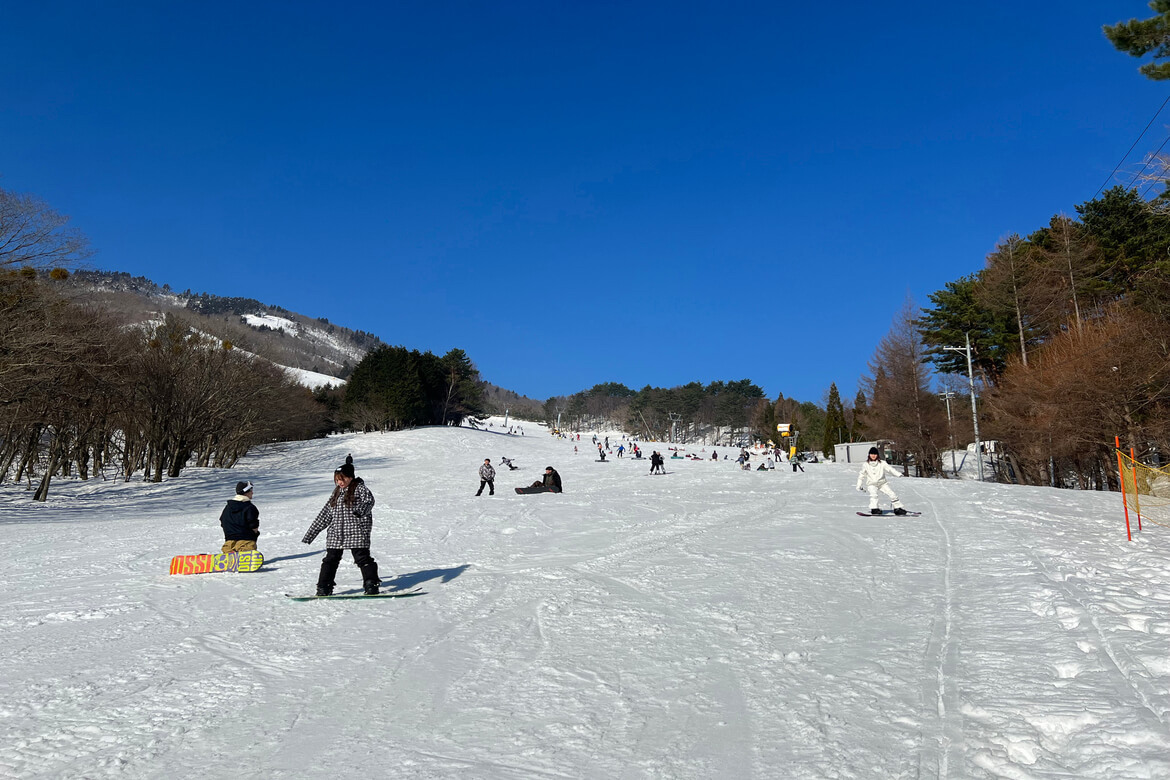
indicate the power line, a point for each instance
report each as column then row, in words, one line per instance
column 1131, row 148
column 1149, row 160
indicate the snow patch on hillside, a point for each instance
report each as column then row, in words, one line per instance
column 312, row 379
column 271, row 321
column 310, row 334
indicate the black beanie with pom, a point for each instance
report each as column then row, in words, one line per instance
column 347, row 467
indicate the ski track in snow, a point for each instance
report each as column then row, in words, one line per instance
column 711, row 623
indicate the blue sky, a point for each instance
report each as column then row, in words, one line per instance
column 645, row 193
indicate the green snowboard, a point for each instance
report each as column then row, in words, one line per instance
column 393, row 594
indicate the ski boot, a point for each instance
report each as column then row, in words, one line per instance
column 875, row 511
column 899, row 511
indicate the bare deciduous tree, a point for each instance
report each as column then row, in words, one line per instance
column 1059, row 415
column 33, row 234
column 902, row 407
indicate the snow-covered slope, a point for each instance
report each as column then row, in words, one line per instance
column 707, row 623
column 312, row 379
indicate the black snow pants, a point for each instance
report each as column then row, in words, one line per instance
column 361, row 556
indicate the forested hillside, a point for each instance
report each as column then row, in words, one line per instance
column 273, row 332
column 1069, row 332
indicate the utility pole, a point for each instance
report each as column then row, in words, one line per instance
column 974, row 408
column 947, row 396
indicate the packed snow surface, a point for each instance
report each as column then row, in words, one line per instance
column 711, row 622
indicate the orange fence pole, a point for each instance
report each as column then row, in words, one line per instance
column 1137, row 502
column 1121, row 481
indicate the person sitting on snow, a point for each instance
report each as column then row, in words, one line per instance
column 551, row 481
column 240, row 521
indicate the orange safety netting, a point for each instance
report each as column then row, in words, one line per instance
column 1146, row 490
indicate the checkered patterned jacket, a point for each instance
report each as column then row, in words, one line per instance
column 349, row 526
column 486, row 472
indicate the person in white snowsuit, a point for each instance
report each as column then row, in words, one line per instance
column 873, row 477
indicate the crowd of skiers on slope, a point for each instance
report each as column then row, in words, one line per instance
column 348, row 514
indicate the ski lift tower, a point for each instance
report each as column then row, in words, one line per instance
column 947, row 396
column 974, row 409
column 674, row 418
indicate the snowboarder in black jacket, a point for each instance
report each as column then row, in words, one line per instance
column 240, row 521
column 551, row 481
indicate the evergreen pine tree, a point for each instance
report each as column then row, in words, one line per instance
column 766, row 422
column 957, row 311
column 858, row 428
column 1139, row 37
column 835, row 432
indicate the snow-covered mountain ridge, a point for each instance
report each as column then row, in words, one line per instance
column 302, row 343
column 709, row 623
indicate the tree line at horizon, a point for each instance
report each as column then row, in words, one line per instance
column 728, row 413
column 394, row 388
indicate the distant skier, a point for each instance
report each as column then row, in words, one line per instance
column 349, row 516
column 487, row 476
column 508, row 462
column 873, row 477
column 240, row 521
